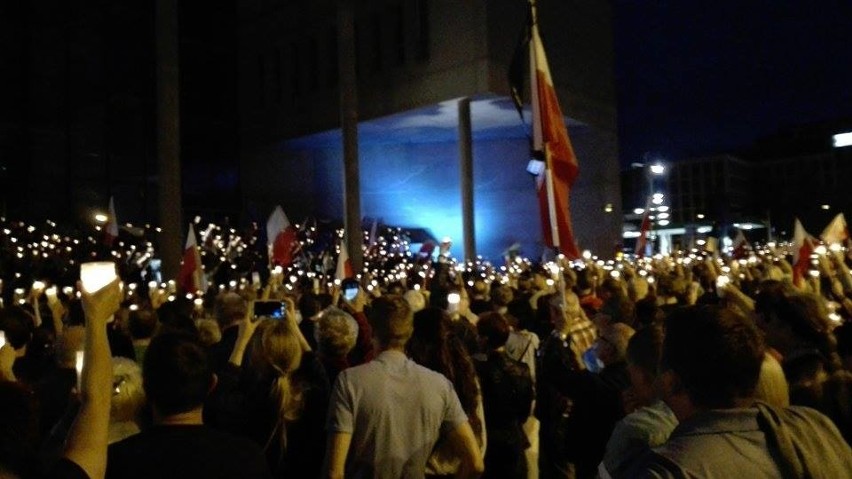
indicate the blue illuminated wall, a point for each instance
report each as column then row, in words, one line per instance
column 410, row 178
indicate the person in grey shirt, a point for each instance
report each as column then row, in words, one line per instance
column 386, row 416
column 711, row 363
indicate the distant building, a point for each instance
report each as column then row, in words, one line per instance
column 414, row 59
column 798, row 173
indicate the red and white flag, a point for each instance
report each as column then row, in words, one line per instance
column 803, row 247
column 344, row 265
column 111, row 227
column 740, row 247
column 642, row 241
column 550, row 139
column 836, row 231
column 191, row 277
column 282, row 240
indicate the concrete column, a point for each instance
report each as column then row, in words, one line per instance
column 466, row 176
column 168, row 137
column 349, row 126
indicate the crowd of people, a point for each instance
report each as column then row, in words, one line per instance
column 692, row 364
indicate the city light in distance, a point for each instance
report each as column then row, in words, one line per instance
column 699, row 216
column 101, row 218
column 826, row 207
column 658, row 169
column 842, row 139
column 638, row 211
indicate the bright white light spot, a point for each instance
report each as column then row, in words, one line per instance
column 658, row 169
column 700, row 216
column 638, row 211
column 826, row 207
column 663, row 216
column 663, row 209
column 663, row 222
column 842, row 139
column 101, row 218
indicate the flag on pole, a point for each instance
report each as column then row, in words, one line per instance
column 282, row 241
column 344, row 266
column 836, row 231
column 642, row 241
column 111, row 227
column 374, row 238
column 740, row 247
column 803, row 247
column 191, row 277
column 552, row 144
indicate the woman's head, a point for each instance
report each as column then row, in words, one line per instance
column 279, row 347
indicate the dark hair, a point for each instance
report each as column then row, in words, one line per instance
column 434, row 346
column 502, row 296
column 309, row 305
column 807, row 319
column 142, row 323
column 494, row 329
column 646, row 348
column 176, row 374
column 17, row 323
column 715, row 352
column 392, row 320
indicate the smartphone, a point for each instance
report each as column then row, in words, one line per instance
column 350, row 289
column 270, row 309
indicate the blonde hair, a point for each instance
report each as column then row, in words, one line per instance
column 127, row 395
column 772, row 386
column 281, row 351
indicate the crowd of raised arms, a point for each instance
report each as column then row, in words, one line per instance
column 698, row 363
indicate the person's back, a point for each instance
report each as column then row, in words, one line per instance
column 386, row 416
column 398, row 409
column 711, row 363
column 182, row 451
column 755, row 442
column 177, row 378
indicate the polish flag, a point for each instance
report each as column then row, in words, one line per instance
column 551, row 143
column 741, row 246
column 111, row 228
column 282, row 241
column 643, row 234
column 803, row 247
column 836, row 231
column 191, row 277
column 344, row 265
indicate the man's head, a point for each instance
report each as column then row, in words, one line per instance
column 493, row 330
column 176, row 374
column 336, row 332
column 230, row 308
column 711, row 359
column 17, row 323
column 501, row 296
column 392, row 321
column 612, row 343
column 643, row 361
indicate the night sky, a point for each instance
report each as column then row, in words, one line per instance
column 698, row 78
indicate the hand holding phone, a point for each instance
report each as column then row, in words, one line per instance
column 276, row 310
